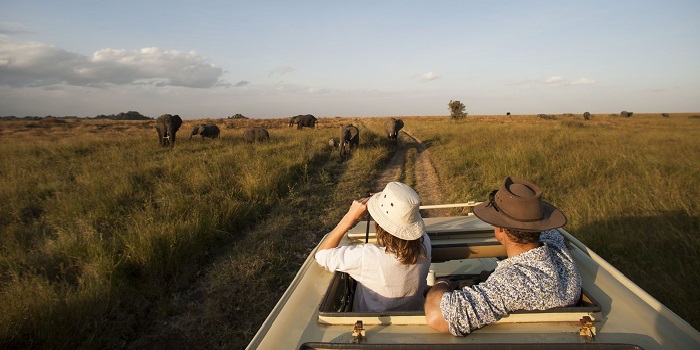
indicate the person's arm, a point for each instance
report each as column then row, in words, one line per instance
column 433, row 313
column 357, row 210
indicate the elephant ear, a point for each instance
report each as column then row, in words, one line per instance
column 399, row 124
column 176, row 122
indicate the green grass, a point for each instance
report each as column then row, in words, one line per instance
column 109, row 241
column 96, row 236
column 629, row 187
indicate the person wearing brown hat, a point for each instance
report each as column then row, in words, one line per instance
column 538, row 274
column 390, row 275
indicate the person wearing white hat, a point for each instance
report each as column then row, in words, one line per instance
column 538, row 274
column 391, row 275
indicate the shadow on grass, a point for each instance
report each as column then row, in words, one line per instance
column 644, row 248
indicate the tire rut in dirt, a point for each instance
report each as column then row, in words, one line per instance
column 427, row 183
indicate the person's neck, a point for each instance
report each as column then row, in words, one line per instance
column 513, row 249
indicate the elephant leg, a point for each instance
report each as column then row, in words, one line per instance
column 162, row 138
column 172, row 140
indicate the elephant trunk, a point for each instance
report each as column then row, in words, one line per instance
column 171, row 135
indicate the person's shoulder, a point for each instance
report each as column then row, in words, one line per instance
column 552, row 237
column 550, row 233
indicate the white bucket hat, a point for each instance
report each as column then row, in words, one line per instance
column 395, row 209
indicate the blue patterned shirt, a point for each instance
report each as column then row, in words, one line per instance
column 538, row 279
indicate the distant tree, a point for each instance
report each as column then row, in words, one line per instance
column 130, row 115
column 457, row 110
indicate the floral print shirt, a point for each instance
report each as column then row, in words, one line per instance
column 538, row 279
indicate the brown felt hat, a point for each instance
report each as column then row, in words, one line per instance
column 518, row 205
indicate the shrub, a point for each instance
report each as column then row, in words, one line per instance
column 456, row 110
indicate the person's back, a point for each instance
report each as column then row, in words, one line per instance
column 383, row 282
column 538, row 279
column 391, row 275
column 538, row 274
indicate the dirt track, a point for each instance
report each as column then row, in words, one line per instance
column 427, row 183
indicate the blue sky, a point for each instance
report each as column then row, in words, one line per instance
column 271, row 59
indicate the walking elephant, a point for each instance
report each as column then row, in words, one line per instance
column 167, row 126
column 392, row 127
column 256, row 134
column 303, row 120
column 209, row 130
column 349, row 140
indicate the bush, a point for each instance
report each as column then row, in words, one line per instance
column 456, row 110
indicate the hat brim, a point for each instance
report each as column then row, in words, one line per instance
column 407, row 232
column 552, row 218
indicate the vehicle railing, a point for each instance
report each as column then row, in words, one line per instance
column 453, row 205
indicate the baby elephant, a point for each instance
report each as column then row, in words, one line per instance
column 349, row 140
column 256, row 134
column 209, row 130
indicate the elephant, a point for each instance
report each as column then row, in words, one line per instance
column 626, row 114
column 206, row 130
column 586, row 116
column 392, row 127
column 167, row 126
column 256, row 134
column 349, row 140
column 303, row 120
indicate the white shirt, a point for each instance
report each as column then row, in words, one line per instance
column 383, row 282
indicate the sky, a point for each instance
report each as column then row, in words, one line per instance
column 273, row 59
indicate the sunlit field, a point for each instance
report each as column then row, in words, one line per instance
column 110, row 241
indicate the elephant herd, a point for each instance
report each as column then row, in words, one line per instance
column 167, row 126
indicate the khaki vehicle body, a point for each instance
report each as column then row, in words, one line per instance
column 613, row 312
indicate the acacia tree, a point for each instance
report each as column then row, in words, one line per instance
column 457, row 110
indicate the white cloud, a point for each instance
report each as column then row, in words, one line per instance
column 24, row 63
column 242, row 83
column 281, row 70
column 428, row 76
column 315, row 90
column 583, row 81
column 554, row 80
column 561, row 81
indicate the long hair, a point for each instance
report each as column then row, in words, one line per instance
column 406, row 251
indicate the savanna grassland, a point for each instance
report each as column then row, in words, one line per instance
column 109, row 241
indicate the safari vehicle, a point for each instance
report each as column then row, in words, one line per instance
column 612, row 313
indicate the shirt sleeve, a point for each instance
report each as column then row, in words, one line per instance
column 344, row 259
column 471, row 308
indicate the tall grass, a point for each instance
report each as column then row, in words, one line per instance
column 629, row 187
column 109, row 241
column 98, row 232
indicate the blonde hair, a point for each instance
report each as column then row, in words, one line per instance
column 407, row 252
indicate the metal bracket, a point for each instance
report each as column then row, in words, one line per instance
column 587, row 331
column 358, row 334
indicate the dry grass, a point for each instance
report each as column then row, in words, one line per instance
column 627, row 185
column 110, row 241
